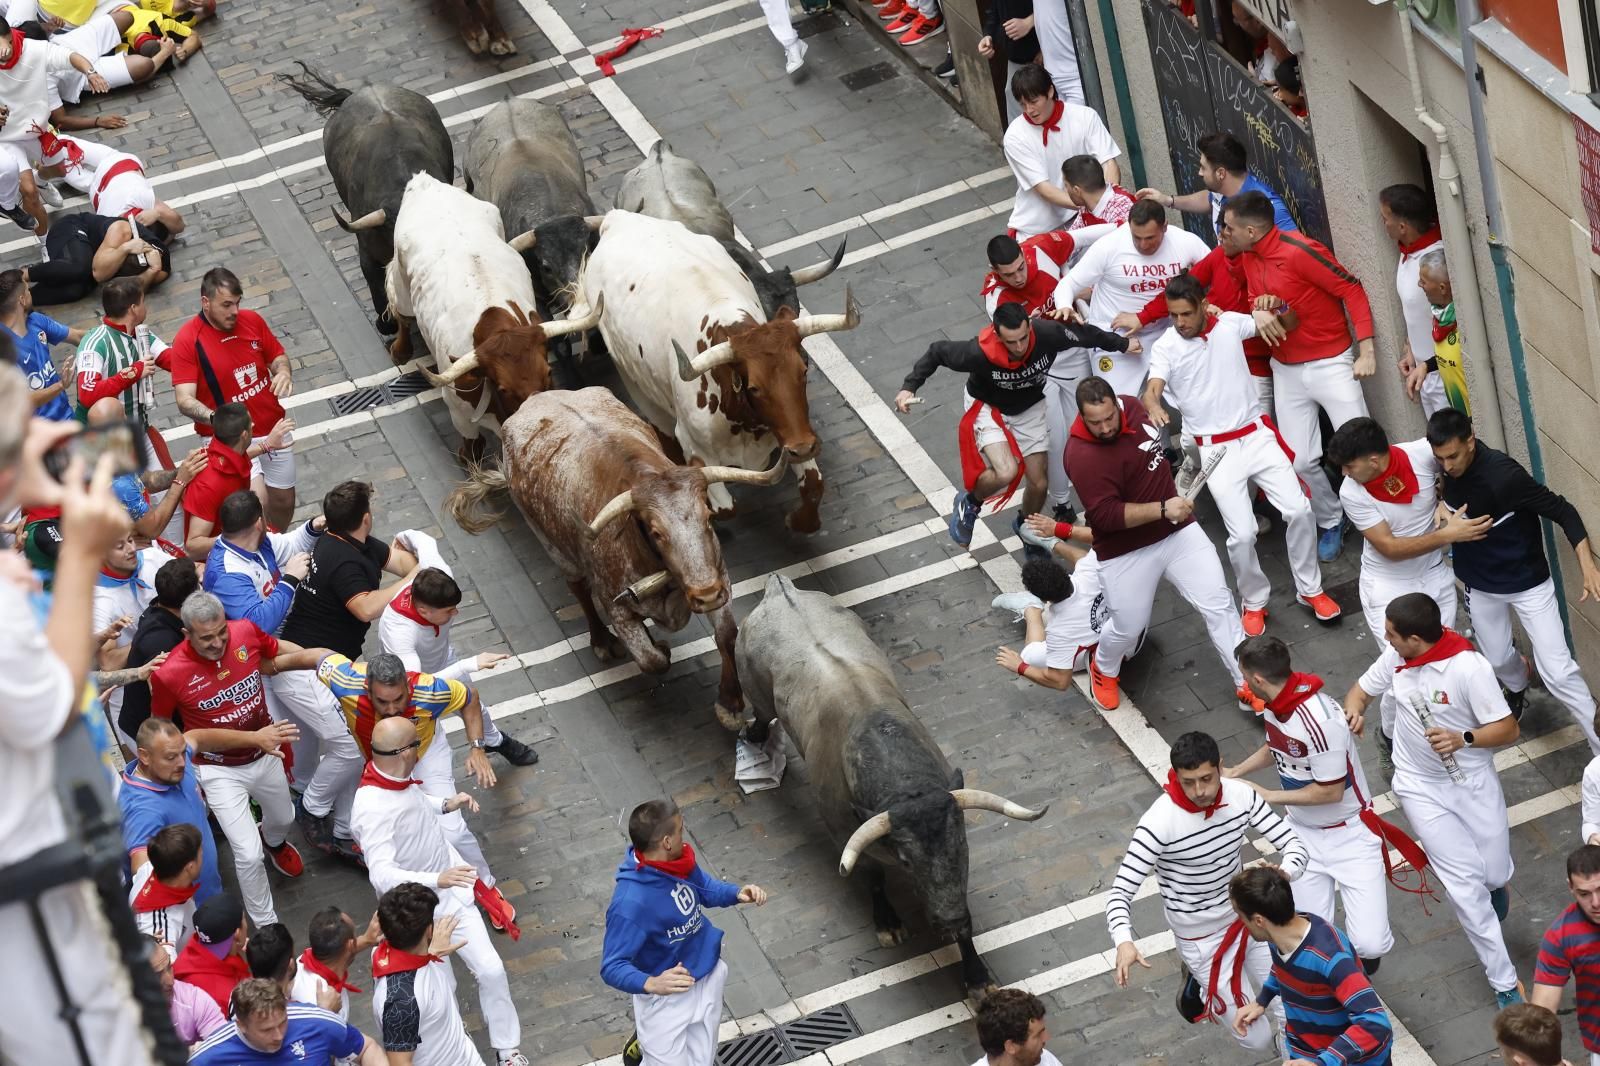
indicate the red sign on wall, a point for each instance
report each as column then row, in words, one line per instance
column 1589, row 168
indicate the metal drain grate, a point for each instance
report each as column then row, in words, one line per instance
column 857, row 80
column 406, row 385
column 758, row 1049
column 819, row 1031
column 359, row 400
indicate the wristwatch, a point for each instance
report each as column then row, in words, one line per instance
column 1466, row 737
column 479, row 743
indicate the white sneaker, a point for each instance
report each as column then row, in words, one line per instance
column 514, row 1057
column 50, row 194
column 794, row 57
column 1016, row 603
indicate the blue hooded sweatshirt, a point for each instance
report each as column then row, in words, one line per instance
column 655, row 922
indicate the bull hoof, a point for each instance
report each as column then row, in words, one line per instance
column 731, row 721
column 502, row 46
column 888, row 938
column 471, row 452
column 386, row 326
column 477, row 40
column 608, row 650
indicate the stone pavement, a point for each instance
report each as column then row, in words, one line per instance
column 858, row 145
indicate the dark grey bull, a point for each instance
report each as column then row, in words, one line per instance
column 883, row 786
column 375, row 139
column 522, row 158
column 666, row 185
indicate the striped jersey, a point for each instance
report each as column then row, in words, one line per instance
column 1314, row 745
column 1572, row 946
column 1334, row 1016
column 1194, row 856
column 431, row 699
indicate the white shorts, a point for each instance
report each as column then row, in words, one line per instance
column 1031, row 428
column 1037, row 655
column 276, row 468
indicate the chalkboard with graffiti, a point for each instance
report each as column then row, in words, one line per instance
column 1204, row 89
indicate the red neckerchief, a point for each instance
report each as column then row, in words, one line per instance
column 1398, row 483
column 994, row 349
column 1433, row 236
column 118, row 326
column 681, row 867
column 115, row 575
column 1299, row 688
column 309, row 963
column 388, row 959
column 404, row 607
column 372, row 776
column 1051, row 123
column 155, row 896
column 16, row 50
column 1184, row 803
column 1451, row 643
column 1211, row 323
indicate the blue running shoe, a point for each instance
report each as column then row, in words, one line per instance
column 1033, row 547
column 1510, row 996
column 1500, row 900
column 964, row 517
column 1330, row 542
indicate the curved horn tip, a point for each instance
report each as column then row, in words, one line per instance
column 1025, row 814
column 594, row 222
column 852, row 309
column 686, row 369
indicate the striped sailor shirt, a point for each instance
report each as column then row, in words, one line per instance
column 1334, row 1017
column 1572, row 946
column 1194, row 856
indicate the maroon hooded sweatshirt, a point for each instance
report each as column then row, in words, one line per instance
column 1108, row 474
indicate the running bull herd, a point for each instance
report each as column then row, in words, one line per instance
column 707, row 343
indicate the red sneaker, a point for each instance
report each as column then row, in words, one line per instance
column 1254, row 621
column 892, row 10
column 922, row 29
column 1321, row 605
column 284, row 858
column 903, row 21
column 1103, row 689
column 1249, row 701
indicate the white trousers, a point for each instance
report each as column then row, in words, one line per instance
column 1125, row 373
column 1264, row 391
column 681, row 1029
column 1347, row 859
column 1199, row 956
column 1439, row 581
column 1189, row 562
column 494, row 987
column 31, row 1029
column 1432, row 395
column 1298, row 390
column 1060, row 408
column 779, row 21
column 437, row 772
column 1259, row 460
column 1013, row 109
column 229, row 790
column 332, row 786
column 1464, row 830
column 1536, row 608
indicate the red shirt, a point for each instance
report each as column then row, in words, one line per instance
column 226, row 473
column 1108, row 474
column 241, row 360
column 1046, row 255
column 1304, row 274
column 226, row 694
column 1225, row 286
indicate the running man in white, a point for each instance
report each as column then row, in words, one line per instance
column 414, row 986
column 1063, row 613
column 1125, row 269
column 1190, row 839
column 1200, row 364
column 1039, row 141
column 1325, row 797
column 782, row 26
column 1451, row 718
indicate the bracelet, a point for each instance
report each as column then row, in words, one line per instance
column 1164, row 517
column 1022, row 669
column 1063, row 530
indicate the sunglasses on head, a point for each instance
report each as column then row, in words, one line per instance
column 398, row 751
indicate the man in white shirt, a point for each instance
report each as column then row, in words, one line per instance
column 1125, row 269
column 26, row 138
column 1412, row 221
column 1200, row 365
column 1452, row 715
column 162, row 894
column 1063, row 614
column 1041, row 139
column 397, row 827
column 325, row 964
column 414, row 994
column 1011, row 1030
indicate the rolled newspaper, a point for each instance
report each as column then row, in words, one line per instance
column 1425, row 716
column 1200, row 479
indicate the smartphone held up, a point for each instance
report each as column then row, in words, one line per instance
column 125, row 441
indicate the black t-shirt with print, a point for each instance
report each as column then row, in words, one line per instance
column 341, row 568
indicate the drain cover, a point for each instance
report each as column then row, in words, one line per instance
column 866, row 77
column 758, row 1049
column 359, row 400
column 819, row 1031
column 406, row 385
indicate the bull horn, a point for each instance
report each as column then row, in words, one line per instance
column 869, row 833
column 818, row 271
column 976, row 799
column 594, row 222
column 578, row 320
column 714, row 356
column 453, row 372
column 370, row 220
column 738, row 476
column 620, row 505
column 523, row 241
column 645, row 586
column 809, row 325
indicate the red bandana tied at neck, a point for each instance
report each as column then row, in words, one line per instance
column 1299, row 688
column 155, row 896
column 373, row 776
column 1397, row 484
column 1451, row 643
column 1051, row 123
column 681, row 867
column 309, row 963
column 994, row 349
column 1424, row 240
column 1184, row 803
column 388, row 959
column 406, row 608
column 16, row 50
column 1211, row 324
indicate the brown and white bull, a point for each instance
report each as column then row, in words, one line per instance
column 467, row 290
column 629, row 528
column 741, row 396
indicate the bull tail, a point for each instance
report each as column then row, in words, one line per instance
column 468, row 502
column 318, row 91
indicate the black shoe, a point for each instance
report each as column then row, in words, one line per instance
column 346, row 849
column 514, row 751
column 318, row 831
column 20, row 216
column 1517, row 701
column 947, row 69
column 1063, row 512
column 1371, row 965
column 1191, row 1000
column 632, row 1053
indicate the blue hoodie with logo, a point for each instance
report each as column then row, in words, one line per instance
column 655, row 922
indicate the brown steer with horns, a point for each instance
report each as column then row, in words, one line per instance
column 630, row 529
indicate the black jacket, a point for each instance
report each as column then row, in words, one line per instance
column 158, row 630
column 1000, row 12
column 1511, row 558
column 1012, row 391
